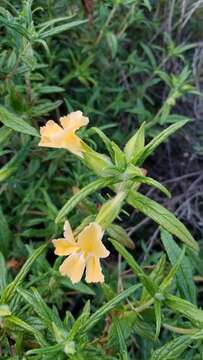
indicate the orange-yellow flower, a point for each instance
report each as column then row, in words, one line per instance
column 83, row 253
column 56, row 136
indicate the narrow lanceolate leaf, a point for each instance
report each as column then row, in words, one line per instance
column 13, row 321
column 14, row 122
column 43, row 351
column 157, row 310
column 12, row 165
column 81, row 195
column 172, row 273
column 110, row 305
column 156, row 275
column 79, row 323
column 151, row 182
column 173, row 349
column 184, row 275
column 10, row 290
column 60, row 28
column 119, row 234
column 105, row 140
column 147, row 282
column 15, row 27
column 5, row 234
column 118, row 157
column 152, row 145
column 121, row 340
column 186, row 308
column 38, row 305
column 3, row 272
column 5, row 133
column 163, row 217
column 136, row 143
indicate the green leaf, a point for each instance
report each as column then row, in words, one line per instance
column 184, row 275
column 136, row 144
column 174, row 118
column 14, row 26
column 60, row 28
column 142, row 155
column 81, row 195
column 10, row 290
column 49, row 23
column 131, row 323
column 39, row 306
column 110, row 210
column 119, row 234
column 51, row 350
column 44, row 108
column 5, row 234
column 157, row 310
column 121, row 340
column 110, row 305
column 14, row 122
column 112, row 42
column 80, row 287
column 105, row 140
column 12, row 165
column 186, row 308
column 169, row 278
column 4, row 310
column 151, row 182
column 99, row 163
column 150, row 55
column 147, row 282
column 173, row 349
column 79, row 323
column 5, row 133
column 50, row 89
column 13, row 320
column 3, row 272
column 163, row 217
column 119, row 156
column 156, row 276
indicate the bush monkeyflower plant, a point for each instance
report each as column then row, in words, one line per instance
column 122, row 173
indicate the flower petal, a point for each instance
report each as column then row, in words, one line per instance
column 74, row 121
column 94, row 270
column 64, row 247
column 68, row 234
column 73, row 267
column 73, row 143
column 51, row 134
column 89, row 240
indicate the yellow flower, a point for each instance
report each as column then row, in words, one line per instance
column 83, row 253
column 56, row 136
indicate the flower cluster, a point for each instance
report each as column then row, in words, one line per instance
column 87, row 249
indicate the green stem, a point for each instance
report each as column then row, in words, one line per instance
column 101, row 33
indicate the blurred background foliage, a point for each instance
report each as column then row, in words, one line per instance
column 121, row 62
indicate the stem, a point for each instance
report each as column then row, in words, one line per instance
column 180, row 330
column 142, row 307
column 101, row 33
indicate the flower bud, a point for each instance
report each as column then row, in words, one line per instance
column 110, row 210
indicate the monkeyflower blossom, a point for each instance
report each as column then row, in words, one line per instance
column 63, row 136
column 83, row 252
